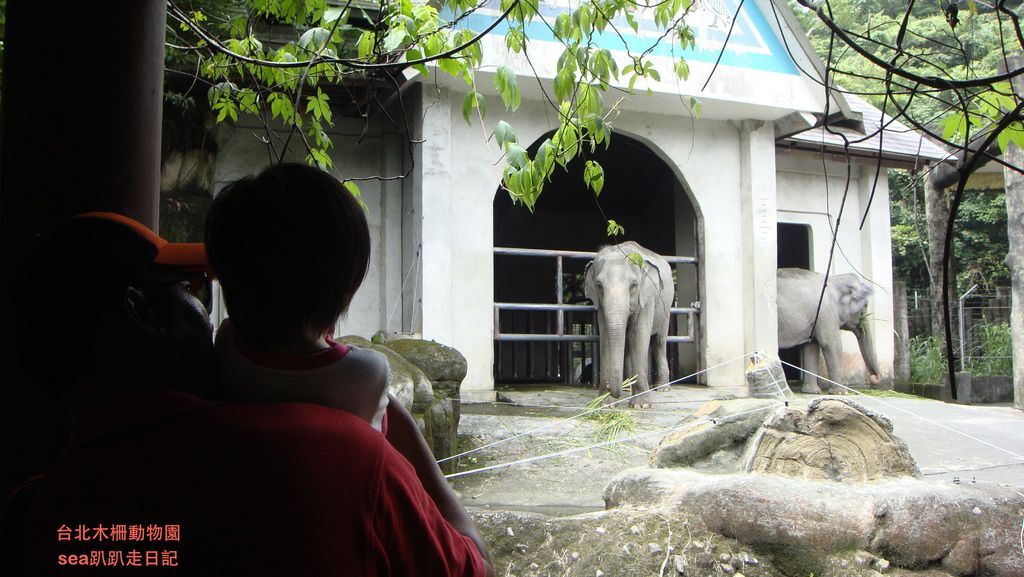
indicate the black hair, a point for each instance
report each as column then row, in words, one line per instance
column 290, row 248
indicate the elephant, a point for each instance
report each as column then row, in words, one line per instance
column 842, row 308
column 634, row 306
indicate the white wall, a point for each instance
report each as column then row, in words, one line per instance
column 379, row 153
column 457, row 188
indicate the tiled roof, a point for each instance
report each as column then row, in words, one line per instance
column 898, row 142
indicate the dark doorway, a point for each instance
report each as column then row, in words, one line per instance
column 640, row 193
column 794, row 251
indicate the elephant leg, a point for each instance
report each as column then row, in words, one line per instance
column 660, row 344
column 810, row 365
column 638, row 351
column 834, row 361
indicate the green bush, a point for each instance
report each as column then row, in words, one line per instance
column 927, row 360
column 992, row 354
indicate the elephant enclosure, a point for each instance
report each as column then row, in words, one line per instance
column 544, row 329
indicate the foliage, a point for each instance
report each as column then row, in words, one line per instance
column 927, row 360
column 931, row 45
column 992, row 355
column 277, row 61
column 981, row 233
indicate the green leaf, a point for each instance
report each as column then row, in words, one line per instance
column 682, row 69
column 394, row 39
column 503, row 133
column 632, row 21
column 353, row 189
column 319, row 106
column 614, row 229
column 473, row 100
column 695, row 107
column 505, row 82
column 365, row 44
column 636, row 258
column 516, row 156
column 564, row 82
column 331, row 14
column 515, row 40
column 593, row 176
column 313, row 39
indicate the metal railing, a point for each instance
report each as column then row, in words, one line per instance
column 691, row 336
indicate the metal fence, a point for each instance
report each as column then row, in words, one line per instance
column 980, row 327
column 561, row 335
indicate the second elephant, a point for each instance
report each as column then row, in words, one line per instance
column 633, row 291
column 802, row 323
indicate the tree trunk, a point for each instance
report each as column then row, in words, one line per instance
column 937, row 216
column 902, row 333
column 1015, row 262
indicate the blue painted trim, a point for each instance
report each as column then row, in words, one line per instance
column 777, row 60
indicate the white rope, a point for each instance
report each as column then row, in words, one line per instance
column 911, row 413
column 700, row 420
column 585, row 413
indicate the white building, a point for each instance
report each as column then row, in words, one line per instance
column 734, row 188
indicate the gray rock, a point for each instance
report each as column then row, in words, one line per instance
column 438, row 362
column 653, row 548
column 679, row 562
column 717, row 425
column 442, row 428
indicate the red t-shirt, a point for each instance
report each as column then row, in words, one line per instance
column 279, row 489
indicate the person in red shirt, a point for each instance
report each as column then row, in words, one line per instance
column 159, row 481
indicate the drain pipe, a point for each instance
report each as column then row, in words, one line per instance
column 960, row 310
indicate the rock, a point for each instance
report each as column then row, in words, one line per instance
column 736, row 561
column 766, row 379
column 704, row 560
column 679, row 562
column 726, row 568
column 438, row 362
column 963, row 559
column 881, row 565
column 383, row 337
column 575, row 556
column 653, row 548
column 863, row 559
column 442, row 428
column 882, row 511
column 634, row 530
column 976, row 511
column 510, row 532
column 408, row 384
column 599, row 573
column 521, row 548
column 601, row 531
column 749, row 560
column 834, row 439
column 717, row 425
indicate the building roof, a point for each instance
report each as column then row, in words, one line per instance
column 876, row 134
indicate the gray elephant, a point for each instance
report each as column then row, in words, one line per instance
column 842, row 308
column 633, row 295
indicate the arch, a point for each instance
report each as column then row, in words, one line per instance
column 644, row 192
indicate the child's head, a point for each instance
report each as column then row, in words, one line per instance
column 290, row 247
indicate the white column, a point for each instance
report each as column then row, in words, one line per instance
column 758, row 208
column 876, row 257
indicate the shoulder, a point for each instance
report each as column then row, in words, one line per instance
column 365, row 363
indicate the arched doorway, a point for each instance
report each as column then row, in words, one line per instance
column 540, row 259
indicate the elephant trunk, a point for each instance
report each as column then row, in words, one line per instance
column 867, row 351
column 613, row 344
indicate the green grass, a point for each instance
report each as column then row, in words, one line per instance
column 611, row 422
column 993, row 353
column 927, row 360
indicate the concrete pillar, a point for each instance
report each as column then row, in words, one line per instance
column 759, row 223
column 876, row 265
column 455, row 201
column 901, row 336
column 81, row 131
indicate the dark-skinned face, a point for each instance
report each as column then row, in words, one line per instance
column 186, row 339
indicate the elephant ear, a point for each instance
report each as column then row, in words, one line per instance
column 589, row 284
column 852, row 295
column 650, row 274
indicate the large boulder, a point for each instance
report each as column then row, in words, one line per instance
column 830, row 439
column 408, row 383
column 443, row 365
column 717, row 437
column 903, row 523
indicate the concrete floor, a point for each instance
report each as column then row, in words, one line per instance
column 573, row 482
